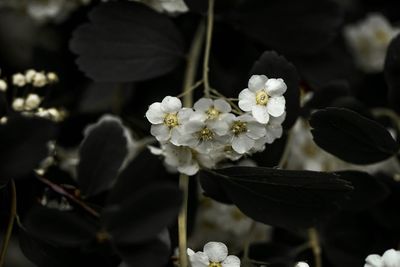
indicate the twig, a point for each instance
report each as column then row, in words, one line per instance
column 13, row 213
column 210, row 24
column 192, row 88
column 246, row 250
column 316, row 248
column 182, row 219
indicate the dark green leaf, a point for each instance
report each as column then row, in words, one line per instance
column 351, row 137
column 392, row 70
column 126, row 42
column 101, row 155
column 290, row 199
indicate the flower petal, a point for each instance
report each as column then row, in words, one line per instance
column 198, row 259
column 193, row 126
column 374, row 260
column 257, row 82
column 255, row 130
column 160, row 131
column 171, row 104
column 216, row 251
column 276, row 106
column 190, row 169
column 277, row 120
column 391, row 258
column 231, row 261
column 242, row 144
column 176, row 134
column 203, row 104
column 260, row 113
column 185, row 114
column 220, row 127
column 154, row 114
column 275, row 87
column 247, row 100
column 222, row 106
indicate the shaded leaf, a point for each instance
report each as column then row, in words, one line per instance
column 275, row 66
column 351, row 137
column 289, row 26
column 329, row 92
column 101, row 155
column 392, row 70
column 65, row 228
column 143, row 214
column 290, row 199
column 23, row 145
column 126, row 42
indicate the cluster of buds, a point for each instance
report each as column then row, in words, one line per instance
column 30, row 102
column 215, row 129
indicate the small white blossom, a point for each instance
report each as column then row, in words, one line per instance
column 52, row 77
column 39, row 79
column 369, row 40
column 29, row 75
column 168, row 118
column 263, row 97
column 18, row 80
column 18, row 104
column 244, row 131
column 391, row 258
column 3, row 86
column 214, row 254
column 302, row 264
column 211, row 110
column 32, row 102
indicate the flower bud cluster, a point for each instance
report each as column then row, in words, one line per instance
column 210, row 132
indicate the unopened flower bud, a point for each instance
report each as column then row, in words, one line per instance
column 52, row 77
column 32, row 102
column 29, row 74
column 302, row 264
column 3, row 86
column 3, row 120
column 19, row 80
column 39, row 80
column 18, row 104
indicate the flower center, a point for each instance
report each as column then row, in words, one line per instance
column 212, row 113
column 239, row 127
column 206, row 134
column 382, row 36
column 261, row 98
column 171, row 120
column 215, row 264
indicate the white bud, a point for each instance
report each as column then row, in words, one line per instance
column 43, row 113
column 32, row 102
column 39, row 80
column 18, row 80
column 302, row 264
column 3, row 120
column 3, row 86
column 52, row 77
column 55, row 114
column 29, row 74
column 18, row 104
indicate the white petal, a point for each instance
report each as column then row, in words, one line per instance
column 190, row 169
column 374, row 260
column 222, row 106
column 203, row 104
column 160, row 132
column 219, row 127
column 277, row 120
column 247, row 100
column 185, row 114
column 216, row 251
column 155, row 150
column 198, row 259
column 154, row 114
column 193, row 126
column 176, row 133
column 171, row 104
column 231, row 261
column 276, row 106
column 242, row 144
column 275, row 130
column 260, row 113
column 391, row 258
column 257, row 82
column 275, row 87
column 255, row 130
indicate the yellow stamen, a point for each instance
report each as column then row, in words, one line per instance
column 215, row 264
column 261, row 98
column 212, row 113
column 171, row 120
column 206, row 134
column 239, row 127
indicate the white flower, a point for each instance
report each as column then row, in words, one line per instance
column 302, row 264
column 183, row 159
column 18, row 80
column 52, row 77
column 369, row 40
column 167, row 118
column 3, row 86
column 215, row 255
column 211, row 110
column 274, row 128
column 244, row 131
column 32, row 102
column 29, row 75
column 263, row 98
column 39, row 79
column 18, row 104
column 391, row 258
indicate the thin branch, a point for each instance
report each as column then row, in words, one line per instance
column 13, row 213
column 316, row 248
column 210, row 24
column 182, row 220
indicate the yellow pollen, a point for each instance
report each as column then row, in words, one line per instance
column 261, row 98
column 171, row 120
column 206, row 134
column 215, row 264
column 212, row 113
column 382, row 36
column 239, row 127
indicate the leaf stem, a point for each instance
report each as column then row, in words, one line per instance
column 13, row 213
column 182, row 219
column 210, row 24
column 315, row 246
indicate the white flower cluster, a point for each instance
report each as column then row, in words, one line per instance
column 164, row 6
column 391, row 258
column 209, row 132
column 369, row 40
column 214, row 254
